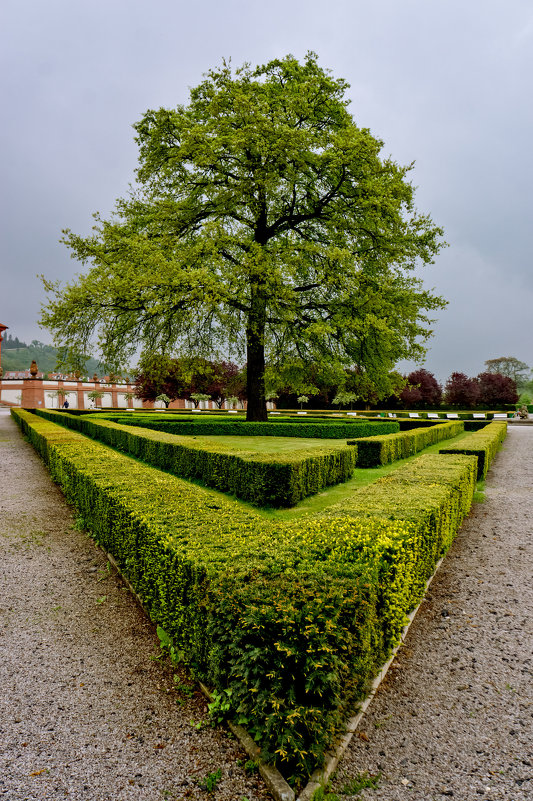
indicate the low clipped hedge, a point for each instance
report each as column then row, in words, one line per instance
column 483, row 444
column 263, row 479
column 289, row 622
column 382, row 450
column 221, row 426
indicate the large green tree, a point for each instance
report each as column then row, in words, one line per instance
column 265, row 225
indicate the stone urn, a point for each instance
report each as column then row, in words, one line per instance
column 33, row 369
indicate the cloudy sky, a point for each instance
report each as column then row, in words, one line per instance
column 445, row 83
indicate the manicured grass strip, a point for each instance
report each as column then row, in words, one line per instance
column 483, row 444
column 380, row 450
column 263, row 479
column 218, row 426
column 288, row 621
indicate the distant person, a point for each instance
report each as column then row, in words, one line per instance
column 66, row 405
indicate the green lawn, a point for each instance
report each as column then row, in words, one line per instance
column 329, row 496
column 281, row 445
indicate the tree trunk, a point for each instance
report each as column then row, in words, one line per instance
column 255, row 369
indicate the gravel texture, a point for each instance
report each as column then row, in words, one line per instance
column 84, row 707
column 454, row 715
column 87, row 712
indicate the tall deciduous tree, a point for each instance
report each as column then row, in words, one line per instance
column 462, row 391
column 422, row 389
column 265, row 223
column 509, row 366
column 496, row 389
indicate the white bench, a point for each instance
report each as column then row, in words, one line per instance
column 433, row 416
column 479, row 416
column 351, row 414
column 500, row 417
column 414, row 414
column 301, row 412
column 452, row 416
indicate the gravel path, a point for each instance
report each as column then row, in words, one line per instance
column 84, row 707
column 454, row 716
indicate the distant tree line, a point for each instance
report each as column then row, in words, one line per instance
column 10, row 342
column 197, row 379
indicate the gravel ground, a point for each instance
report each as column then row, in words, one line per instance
column 84, row 707
column 86, row 711
column 453, row 717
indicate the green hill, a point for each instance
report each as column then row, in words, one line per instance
column 44, row 355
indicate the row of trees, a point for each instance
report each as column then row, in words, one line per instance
column 487, row 389
column 197, row 379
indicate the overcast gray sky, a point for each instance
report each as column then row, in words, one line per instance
column 445, row 83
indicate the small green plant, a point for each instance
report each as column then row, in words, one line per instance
column 250, row 767
column 183, row 690
column 323, row 794
column 102, row 599
column 210, row 781
column 220, row 706
column 79, row 524
column 361, row 781
column 167, row 647
column 479, row 493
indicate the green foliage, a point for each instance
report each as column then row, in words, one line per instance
column 264, row 221
column 390, row 447
column 509, row 366
column 360, row 782
column 343, row 398
column 210, row 781
column 294, row 619
column 46, row 356
column 220, row 707
column 275, row 427
column 483, row 444
column 263, row 479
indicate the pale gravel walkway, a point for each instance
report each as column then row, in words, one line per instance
column 84, row 712
column 83, row 708
column 454, row 717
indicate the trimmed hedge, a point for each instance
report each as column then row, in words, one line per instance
column 277, row 428
column 263, row 479
column 483, row 444
column 381, row 450
column 288, row 621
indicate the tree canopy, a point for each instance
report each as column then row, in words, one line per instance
column 509, row 366
column 421, row 389
column 264, row 226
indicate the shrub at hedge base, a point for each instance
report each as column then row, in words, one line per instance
column 262, row 479
column 483, row 444
column 381, row 450
column 291, row 620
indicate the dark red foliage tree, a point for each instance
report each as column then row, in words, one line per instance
column 462, row 391
column 422, row 389
column 227, row 380
column 160, row 377
column 496, row 389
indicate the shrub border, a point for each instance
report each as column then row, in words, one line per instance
column 380, row 450
column 449, row 510
column 264, row 480
column 483, row 444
